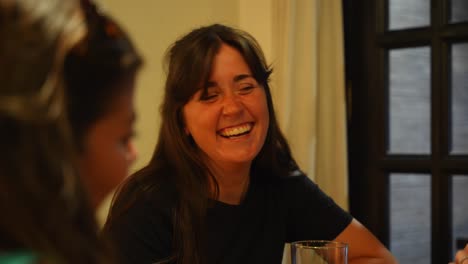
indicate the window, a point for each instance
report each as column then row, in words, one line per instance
column 407, row 72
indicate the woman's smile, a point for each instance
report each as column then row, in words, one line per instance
column 236, row 131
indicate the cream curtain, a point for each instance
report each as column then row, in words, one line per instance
column 308, row 88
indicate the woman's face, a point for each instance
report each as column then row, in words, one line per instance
column 108, row 149
column 230, row 122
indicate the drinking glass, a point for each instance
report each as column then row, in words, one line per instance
column 319, row 252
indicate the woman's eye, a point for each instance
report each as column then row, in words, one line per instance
column 246, row 89
column 208, row 97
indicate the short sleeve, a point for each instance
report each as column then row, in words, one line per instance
column 311, row 213
column 142, row 234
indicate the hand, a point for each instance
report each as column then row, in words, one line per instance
column 461, row 257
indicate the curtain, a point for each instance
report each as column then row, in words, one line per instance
column 308, row 90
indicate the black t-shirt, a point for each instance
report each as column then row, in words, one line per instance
column 289, row 209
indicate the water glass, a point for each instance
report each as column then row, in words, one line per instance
column 319, row 252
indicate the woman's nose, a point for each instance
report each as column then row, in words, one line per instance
column 232, row 105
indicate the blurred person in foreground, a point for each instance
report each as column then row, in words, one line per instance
column 45, row 197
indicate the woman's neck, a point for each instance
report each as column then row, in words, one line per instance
column 233, row 183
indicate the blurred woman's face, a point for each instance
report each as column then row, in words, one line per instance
column 230, row 121
column 108, row 150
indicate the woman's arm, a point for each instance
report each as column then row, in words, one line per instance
column 363, row 246
column 461, row 257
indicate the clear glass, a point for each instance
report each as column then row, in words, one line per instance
column 459, row 105
column 319, row 252
column 410, row 217
column 405, row 14
column 459, row 210
column 458, row 11
column 409, row 101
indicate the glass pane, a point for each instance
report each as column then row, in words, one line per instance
column 410, row 217
column 409, row 101
column 408, row 14
column 459, row 126
column 459, row 11
column 459, row 209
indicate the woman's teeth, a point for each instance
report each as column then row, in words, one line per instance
column 236, row 131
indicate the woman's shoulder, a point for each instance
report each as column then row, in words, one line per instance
column 141, row 226
column 146, row 187
column 160, row 195
column 297, row 184
column 289, row 180
column 142, row 201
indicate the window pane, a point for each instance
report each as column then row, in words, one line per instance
column 459, row 209
column 459, row 126
column 459, row 11
column 410, row 217
column 410, row 101
column 408, row 14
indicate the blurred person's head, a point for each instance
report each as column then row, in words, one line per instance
column 43, row 207
column 100, row 75
column 61, row 147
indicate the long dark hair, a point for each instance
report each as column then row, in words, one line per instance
column 43, row 206
column 176, row 159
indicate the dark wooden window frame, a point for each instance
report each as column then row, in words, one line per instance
column 366, row 42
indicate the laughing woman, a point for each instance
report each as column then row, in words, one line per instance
column 222, row 185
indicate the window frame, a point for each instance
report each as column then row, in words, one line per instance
column 367, row 41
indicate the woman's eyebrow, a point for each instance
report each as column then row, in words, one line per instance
column 236, row 78
column 241, row 77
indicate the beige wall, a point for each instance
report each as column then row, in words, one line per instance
column 154, row 25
